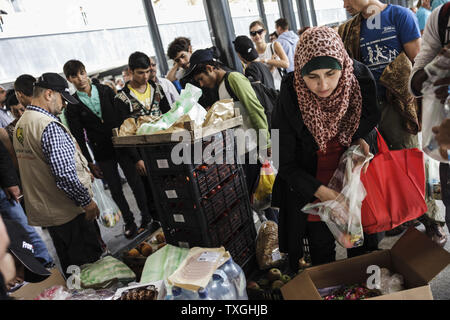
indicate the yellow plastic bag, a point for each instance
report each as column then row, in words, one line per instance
column 263, row 194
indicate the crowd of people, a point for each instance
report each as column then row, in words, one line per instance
column 334, row 86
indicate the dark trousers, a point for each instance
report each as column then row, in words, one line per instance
column 112, row 177
column 76, row 242
column 445, row 190
column 252, row 172
column 150, row 199
column 371, row 242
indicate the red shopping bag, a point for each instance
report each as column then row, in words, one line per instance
column 395, row 185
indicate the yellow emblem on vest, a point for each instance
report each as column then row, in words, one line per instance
column 19, row 135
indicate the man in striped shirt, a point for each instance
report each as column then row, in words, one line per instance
column 55, row 175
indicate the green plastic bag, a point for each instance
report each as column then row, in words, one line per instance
column 104, row 273
column 161, row 264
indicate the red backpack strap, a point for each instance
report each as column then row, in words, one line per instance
column 444, row 24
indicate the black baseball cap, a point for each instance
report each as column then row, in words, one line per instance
column 198, row 57
column 22, row 248
column 245, row 47
column 55, row 82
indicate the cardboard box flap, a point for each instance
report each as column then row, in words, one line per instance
column 421, row 254
column 300, row 288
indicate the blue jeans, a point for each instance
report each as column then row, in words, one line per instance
column 13, row 210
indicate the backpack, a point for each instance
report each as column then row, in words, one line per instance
column 266, row 96
column 444, row 24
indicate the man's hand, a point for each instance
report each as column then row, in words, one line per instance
column 442, row 92
column 92, row 211
column 417, row 81
column 13, row 193
column 95, row 170
column 140, row 167
column 325, row 194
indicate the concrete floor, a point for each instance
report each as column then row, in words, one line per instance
column 115, row 240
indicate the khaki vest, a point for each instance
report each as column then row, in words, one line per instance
column 46, row 204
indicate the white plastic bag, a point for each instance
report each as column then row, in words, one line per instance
column 343, row 215
column 109, row 211
column 433, row 112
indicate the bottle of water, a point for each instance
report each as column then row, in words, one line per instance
column 220, row 288
column 203, row 294
column 433, row 145
column 236, row 277
column 179, row 293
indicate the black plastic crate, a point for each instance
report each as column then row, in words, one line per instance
column 181, row 214
column 184, row 237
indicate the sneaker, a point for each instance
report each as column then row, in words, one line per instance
column 151, row 225
column 130, row 230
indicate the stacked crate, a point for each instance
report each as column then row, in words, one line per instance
column 207, row 204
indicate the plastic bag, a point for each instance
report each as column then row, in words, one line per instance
column 109, row 211
column 268, row 254
column 54, row 293
column 105, row 273
column 262, row 197
column 186, row 104
column 343, row 215
column 433, row 111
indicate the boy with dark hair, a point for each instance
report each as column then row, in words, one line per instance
column 23, row 86
column 96, row 114
column 140, row 97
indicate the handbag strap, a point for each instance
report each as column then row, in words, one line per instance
column 382, row 146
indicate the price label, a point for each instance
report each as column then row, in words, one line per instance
column 178, row 218
column 276, row 255
column 171, row 194
column 163, row 164
column 209, row 257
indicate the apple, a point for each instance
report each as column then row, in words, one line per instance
column 274, row 274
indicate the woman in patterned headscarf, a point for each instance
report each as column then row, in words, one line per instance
column 327, row 104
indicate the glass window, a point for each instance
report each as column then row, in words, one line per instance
column 243, row 13
column 182, row 18
column 330, row 12
column 272, row 14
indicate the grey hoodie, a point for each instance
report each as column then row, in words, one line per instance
column 288, row 41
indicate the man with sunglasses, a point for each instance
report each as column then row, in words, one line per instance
column 57, row 185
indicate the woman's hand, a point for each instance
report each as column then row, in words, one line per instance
column 365, row 150
column 325, row 194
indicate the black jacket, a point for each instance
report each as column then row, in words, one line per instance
column 98, row 131
column 257, row 71
column 8, row 176
column 129, row 107
column 295, row 183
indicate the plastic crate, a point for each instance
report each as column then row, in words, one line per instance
column 181, row 214
column 184, row 237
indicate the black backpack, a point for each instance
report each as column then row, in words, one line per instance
column 266, row 96
column 444, row 24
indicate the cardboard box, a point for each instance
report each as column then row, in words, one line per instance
column 414, row 256
column 30, row 291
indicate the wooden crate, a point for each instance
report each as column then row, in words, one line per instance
column 195, row 133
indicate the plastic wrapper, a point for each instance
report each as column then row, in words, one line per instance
column 353, row 292
column 390, row 283
column 186, row 104
column 130, row 125
column 433, row 111
column 91, row 294
column 343, row 215
column 267, row 250
column 262, row 197
column 54, row 293
column 220, row 111
column 109, row 211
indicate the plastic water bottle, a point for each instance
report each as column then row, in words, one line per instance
column 203, row 294
column 236, row 277
column 182, row 294
column 433, row 145
column 220, row 288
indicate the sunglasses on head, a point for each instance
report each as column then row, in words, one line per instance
column 253, row 33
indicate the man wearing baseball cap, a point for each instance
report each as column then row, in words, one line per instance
column 254, row 70
column 55, row 175
column 19, row 262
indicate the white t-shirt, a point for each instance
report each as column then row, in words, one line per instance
column 169, row 89
column 267, row 55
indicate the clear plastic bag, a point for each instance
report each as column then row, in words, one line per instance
column 262, row 198
column 433, row 111
column 109, row 211
column 343, row 215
